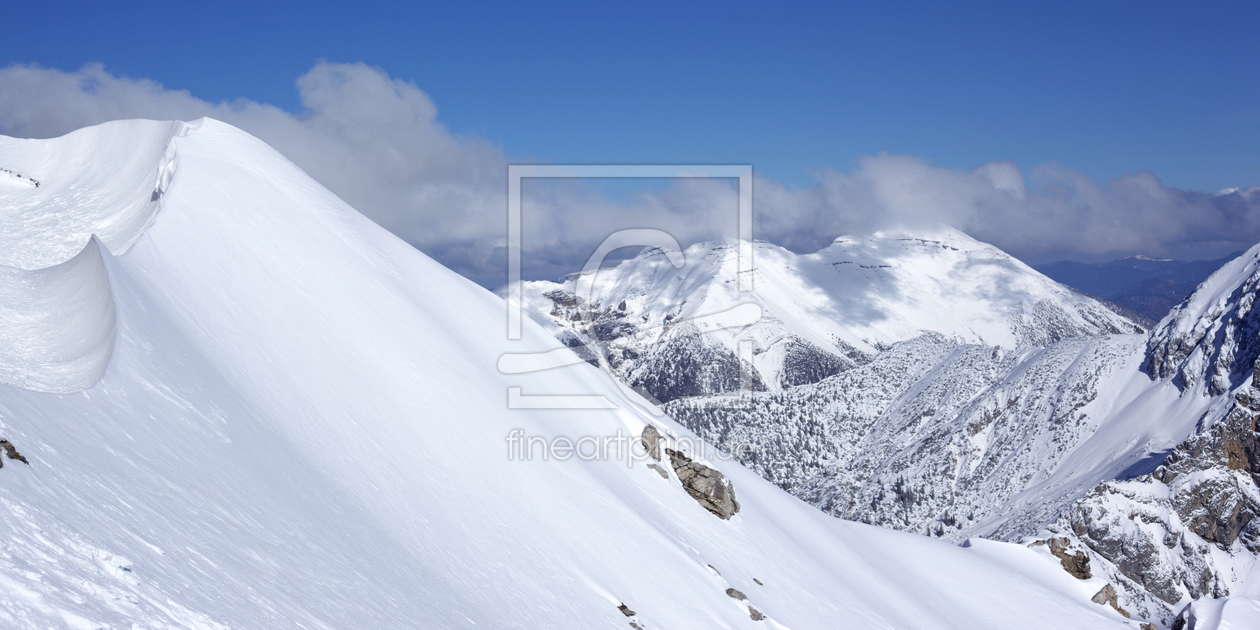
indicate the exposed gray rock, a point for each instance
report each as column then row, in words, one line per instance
column 755, row 614
column 12, row 453
column 1208, row 484
column 660, row 471
column 651, row 440
column 1107, row 595
column 625, row 610
column 708, row 487
column 1076, row 564
column 736, row 594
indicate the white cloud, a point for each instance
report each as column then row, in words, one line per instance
column 372, row 140
column 1054, row 213
column 376, row 142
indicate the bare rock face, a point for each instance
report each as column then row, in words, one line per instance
column 11, row 452
column 1165, row 531
column 651, row 440
column 1076, row 564
column 1108, row 596
column 755, row 614
column 707, row 486
column 736, row 594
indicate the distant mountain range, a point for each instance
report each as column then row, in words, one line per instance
column 1149, row 286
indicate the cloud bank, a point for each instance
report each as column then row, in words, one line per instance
column 376, row 142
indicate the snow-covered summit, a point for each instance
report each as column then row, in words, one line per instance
column 821, row 312
column 300, row 425
column 1213, row 338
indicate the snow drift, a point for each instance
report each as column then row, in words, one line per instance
column 100, row 183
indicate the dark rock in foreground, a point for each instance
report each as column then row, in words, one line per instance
column 707, row 486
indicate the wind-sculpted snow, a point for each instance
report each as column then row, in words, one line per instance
column 57, row 323
column 1214, row 336
column 302, row 426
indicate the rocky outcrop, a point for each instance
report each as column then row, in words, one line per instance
column 651, row 440
column 710, row 488
column 1107, row 595
column 1075, row 563
column 11, row 452
column 1175, row 533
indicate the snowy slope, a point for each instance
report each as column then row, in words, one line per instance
column 300, row 425
column 56, row 313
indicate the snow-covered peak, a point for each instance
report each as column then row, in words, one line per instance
column 1211, row 338
column 865, row 291
column 1249, row 192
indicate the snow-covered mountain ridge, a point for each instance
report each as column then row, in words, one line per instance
column 822, row 312
column 292, row 428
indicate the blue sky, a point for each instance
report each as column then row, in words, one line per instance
column 1105, row 88
column 850, row 113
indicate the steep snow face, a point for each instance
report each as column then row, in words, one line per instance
column 56, row 310
column 301, row 425
column 822, row 312
column 1213, row 337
